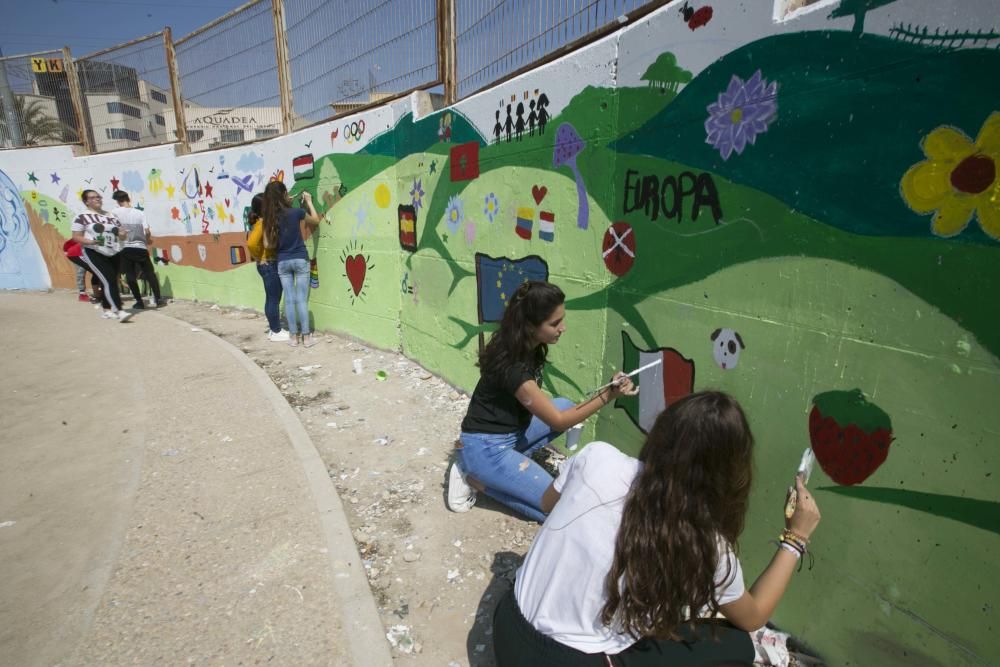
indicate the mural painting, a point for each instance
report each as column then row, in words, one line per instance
column 823, row 187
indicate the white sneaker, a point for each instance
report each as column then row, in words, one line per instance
column 123, row 315
column 460, row 496
column 278, row 336
column 107, row 315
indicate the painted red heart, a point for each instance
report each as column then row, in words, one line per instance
column 539, row 193
column 356, row 269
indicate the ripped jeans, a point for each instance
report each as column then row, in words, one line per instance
column 502, row 462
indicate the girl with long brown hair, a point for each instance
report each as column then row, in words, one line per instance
column 636, row 553
column 509, row 416
column 282, row 230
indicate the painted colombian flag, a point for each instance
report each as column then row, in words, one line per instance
column 499, row 277
column 661, row 385
column 525, row 221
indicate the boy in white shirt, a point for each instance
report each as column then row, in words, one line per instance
column 135, row 250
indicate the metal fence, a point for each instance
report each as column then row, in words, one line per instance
column 496, row 38
column 35, row 96
column 125, row 93
column 273, row 66
column 229, row 79
column 345, row 56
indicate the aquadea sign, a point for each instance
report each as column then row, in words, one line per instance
column 255, row 118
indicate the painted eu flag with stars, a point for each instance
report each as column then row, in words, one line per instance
column 499, row 277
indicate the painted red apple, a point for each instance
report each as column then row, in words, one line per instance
column 850, row 436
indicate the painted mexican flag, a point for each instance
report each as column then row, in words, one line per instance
column 660, row 385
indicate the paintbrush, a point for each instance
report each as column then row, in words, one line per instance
column 627, row 375
column 805, row 469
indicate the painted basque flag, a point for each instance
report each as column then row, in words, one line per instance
column 499, row 277
column 302, row 167
column 661, row 385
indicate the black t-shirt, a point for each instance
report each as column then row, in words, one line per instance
column 494, row 408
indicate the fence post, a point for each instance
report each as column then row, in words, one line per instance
column 76, row 97
column 446, row 50
column 180, row 121
column 284, row 73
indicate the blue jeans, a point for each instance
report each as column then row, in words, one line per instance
column 294, row 274
column 272, row 294
column 502, row 462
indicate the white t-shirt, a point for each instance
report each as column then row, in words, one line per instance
column 134, row 222
column 97, row 226
column 560, row 586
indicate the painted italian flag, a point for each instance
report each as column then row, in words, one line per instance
column 302, row 167
column 661, row 385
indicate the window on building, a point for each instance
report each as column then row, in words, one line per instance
column 195, row 135
column 265, row 132
column 158, row 96
column 121, row 133
column 231, row 136
column 160, row 120
column 122, row 108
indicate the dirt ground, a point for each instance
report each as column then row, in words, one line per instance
column 436, row 575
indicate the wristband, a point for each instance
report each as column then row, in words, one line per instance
column 791, row 549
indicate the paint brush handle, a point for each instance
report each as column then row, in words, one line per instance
column 628, row 375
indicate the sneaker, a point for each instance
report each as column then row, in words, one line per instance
column 139, row 306
column 160, row 304
column 83, row 297
column 278, row 336
column 123, row 315
column 107, row 315
column 460, row 496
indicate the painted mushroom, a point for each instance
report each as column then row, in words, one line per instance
column 568, row 146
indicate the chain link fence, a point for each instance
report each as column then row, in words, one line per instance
column 35, row 104
column 496, row 38
column 330, row 59
column 229, row 79
column 348, row 55
column 125, row 95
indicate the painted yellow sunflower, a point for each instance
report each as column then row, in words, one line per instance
column 958, row 179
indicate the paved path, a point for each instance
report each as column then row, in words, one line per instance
column 167, row 504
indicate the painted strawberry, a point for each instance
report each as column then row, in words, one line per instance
column 850, row 436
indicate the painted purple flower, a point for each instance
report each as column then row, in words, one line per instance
column 742, row 112
column 418, row 195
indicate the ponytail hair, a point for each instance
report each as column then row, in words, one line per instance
column 689, row 499
column 514, row 342
column 276, row 200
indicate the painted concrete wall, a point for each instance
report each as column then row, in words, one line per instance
column 803, row 213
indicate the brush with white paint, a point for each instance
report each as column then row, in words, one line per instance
column 804, row 471
column 627, row 375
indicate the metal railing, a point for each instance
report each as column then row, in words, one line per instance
column 273, row 66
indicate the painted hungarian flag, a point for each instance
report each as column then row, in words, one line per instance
column 302, row 167
column 547, row 226
column 464, row 163
column 499, row 277
column 661, row 385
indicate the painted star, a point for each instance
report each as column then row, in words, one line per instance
column 55, row 178
column 434, row 166
column 170, row 192
column 208, row 189
column 32, row 177
column 114, row 183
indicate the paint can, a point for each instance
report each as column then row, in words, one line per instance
column 358, row 366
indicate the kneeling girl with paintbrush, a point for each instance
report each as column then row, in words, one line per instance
column 509, row 416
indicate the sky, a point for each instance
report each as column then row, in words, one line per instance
column 86, row 26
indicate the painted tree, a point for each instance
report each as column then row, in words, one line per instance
column 37, row 126
column 665, row 73
column 857, row 9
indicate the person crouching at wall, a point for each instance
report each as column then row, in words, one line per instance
column 98, row 233
column 638, row 557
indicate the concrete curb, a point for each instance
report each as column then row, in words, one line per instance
column 359, row 615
